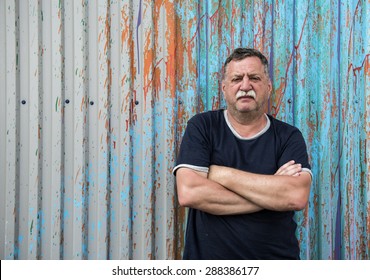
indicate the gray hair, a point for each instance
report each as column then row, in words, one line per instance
column 241, row 53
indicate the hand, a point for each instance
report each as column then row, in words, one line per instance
column 290, row 169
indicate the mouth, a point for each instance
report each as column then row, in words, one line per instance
column 244, row 94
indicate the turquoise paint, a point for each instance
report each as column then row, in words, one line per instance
column 319, row 64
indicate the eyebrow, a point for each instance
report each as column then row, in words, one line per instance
column 254, row 75
column 238, row 75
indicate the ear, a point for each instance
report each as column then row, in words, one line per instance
column 223, row 88
column 270, row 88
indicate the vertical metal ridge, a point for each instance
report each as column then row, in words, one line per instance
column 8, row 130
column 108, row 87
column 338, row 224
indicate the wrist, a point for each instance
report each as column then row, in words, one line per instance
column 219, row 174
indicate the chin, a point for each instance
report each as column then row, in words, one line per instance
column 245, row 110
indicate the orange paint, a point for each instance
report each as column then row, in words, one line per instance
column 82, row 103
column 148, row 63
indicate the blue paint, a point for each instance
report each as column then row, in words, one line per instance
column 20, row 240
column 338, row 231
column 66, row 214
column 338, row 222
column 124, row 195
column 112, row 216
column 327, row 82
column 114, row 164
column 294, row 54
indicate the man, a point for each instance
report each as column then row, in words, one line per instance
column 241, row 172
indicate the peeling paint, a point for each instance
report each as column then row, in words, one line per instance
column 99, row 173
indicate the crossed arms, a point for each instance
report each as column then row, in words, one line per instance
column 227, row 191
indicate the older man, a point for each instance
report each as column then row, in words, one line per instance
column 242, row 172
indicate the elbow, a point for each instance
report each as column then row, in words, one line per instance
column 186, row 185
column 184, row 196
column 183, row 201
column 299, row 205
column 299, row 194
column 298, row 201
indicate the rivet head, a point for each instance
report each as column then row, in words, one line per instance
column 136, row 102
column 290, row 101
column 91, row 103
column 67, row 101
column 23, row 102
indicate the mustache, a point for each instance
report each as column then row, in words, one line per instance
column 242, row 93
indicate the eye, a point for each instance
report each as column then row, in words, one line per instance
column 255, row 78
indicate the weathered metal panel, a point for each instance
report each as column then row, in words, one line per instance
column 122, row 118
column 95, row 96
column 75, row 185
column 29, row 78
column 8, row 130
column 51, row 133
column 354, row 161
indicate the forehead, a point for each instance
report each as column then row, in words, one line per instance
column 248, row 65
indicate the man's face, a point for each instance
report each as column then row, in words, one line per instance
column 246, row 87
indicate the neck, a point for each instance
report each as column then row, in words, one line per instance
column 247, row 124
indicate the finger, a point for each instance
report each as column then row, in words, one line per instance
column 289, row 163
column 290, row 170
column 284, row 167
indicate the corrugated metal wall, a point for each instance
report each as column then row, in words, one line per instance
column 95, row 96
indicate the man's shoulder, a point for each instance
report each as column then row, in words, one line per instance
column 281, row 125
column 285, row 131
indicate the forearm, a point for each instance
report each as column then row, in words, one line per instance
column 195, row 190
column 274, row 192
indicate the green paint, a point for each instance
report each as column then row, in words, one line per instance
column 31, row 228
column 56, row 104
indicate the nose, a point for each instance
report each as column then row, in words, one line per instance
column 245, row 85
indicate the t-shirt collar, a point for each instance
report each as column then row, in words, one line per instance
column 267, row 126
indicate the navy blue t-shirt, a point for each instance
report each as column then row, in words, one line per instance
column 210, row 139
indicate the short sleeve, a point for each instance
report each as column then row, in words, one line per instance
column 295, row 149
column 195, row 148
